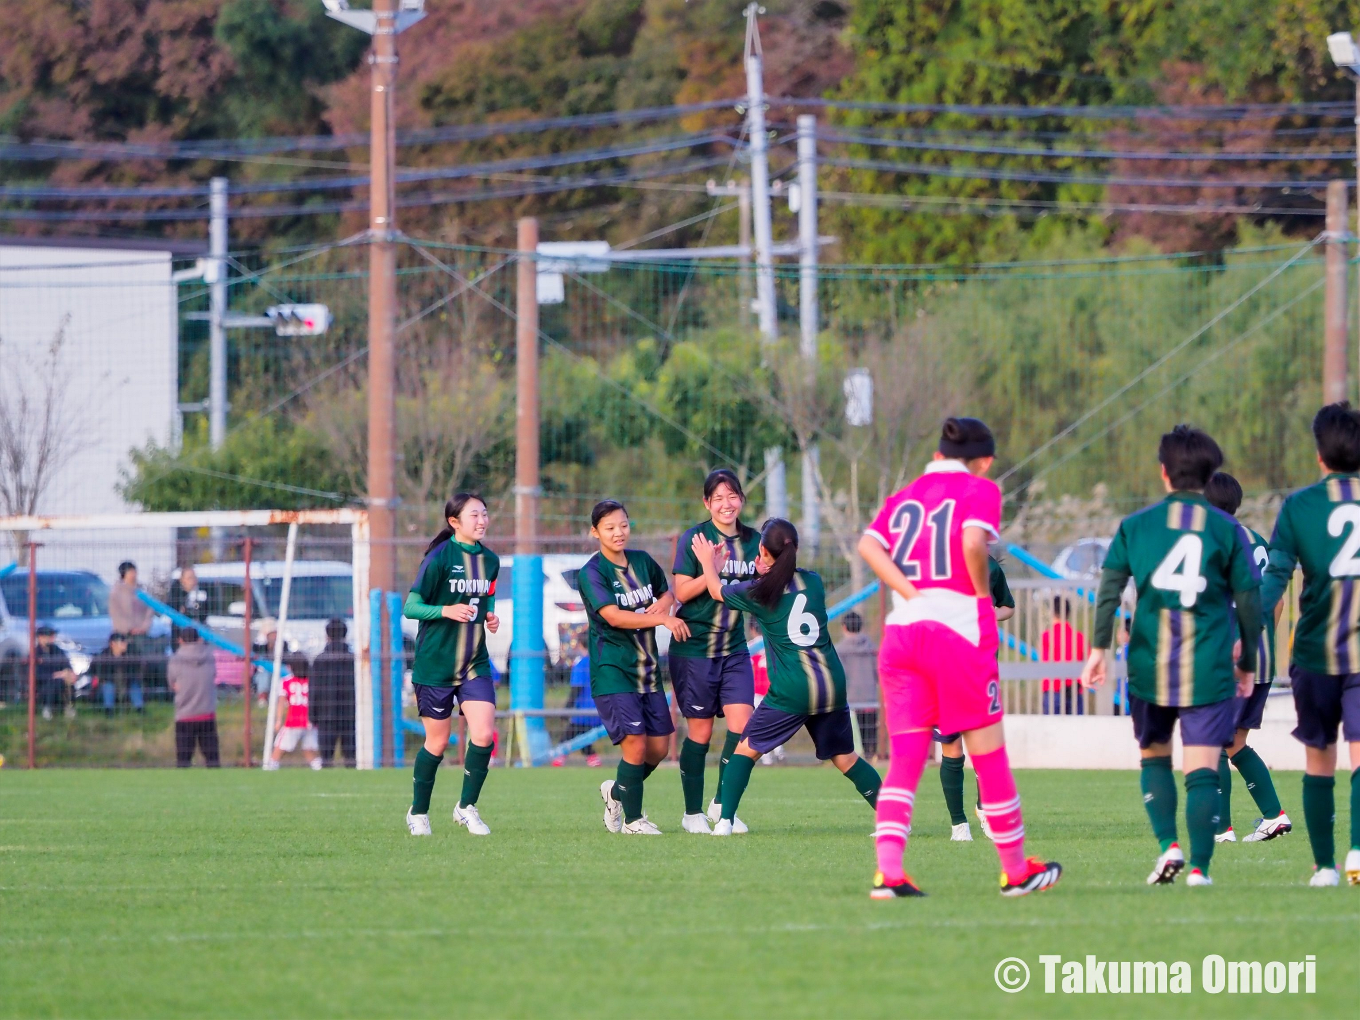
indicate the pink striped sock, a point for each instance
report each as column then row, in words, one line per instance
column 1001, row 805
column 895, row 799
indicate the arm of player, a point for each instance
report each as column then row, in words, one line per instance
column 706, row 552
column 881, row 563
column 1284, row 557
column 688, row 588
column 975, row 557
column 1112, row 581
column 624, row 620
column 1004, row 613
column 663, row 605
column 416, row 608
column 1248, row 608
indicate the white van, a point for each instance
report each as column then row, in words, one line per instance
column 323, row 589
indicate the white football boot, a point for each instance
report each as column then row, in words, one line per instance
column 961, row 833
column 471, row 819
column 1168, row 866
column 418, row 825
column 613, row 810
column 696, row 823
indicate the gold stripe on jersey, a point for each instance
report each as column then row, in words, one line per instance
column 1343, row 617
column 1343, row 490
column 1185, row 516
column 1198, row 516
column 1175, row 658
column 644, row 658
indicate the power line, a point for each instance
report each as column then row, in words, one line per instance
column 1058, row 177
column 1237, row 111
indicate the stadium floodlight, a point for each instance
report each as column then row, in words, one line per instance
column 299, row 320
column 1345, row 53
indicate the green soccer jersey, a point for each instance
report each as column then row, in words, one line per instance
column 622, row 661
column 447, row 651
column 1188, row 560
column 1265, row 650
column 806, row 676
column 715, row 628
column 1319, row 529
column 996, row 583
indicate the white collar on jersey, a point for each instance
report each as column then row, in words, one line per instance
column 937, row 466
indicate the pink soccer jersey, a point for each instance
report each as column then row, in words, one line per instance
column 922, row 525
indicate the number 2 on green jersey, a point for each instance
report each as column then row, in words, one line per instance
column 1179, row 571
column 1345, row 564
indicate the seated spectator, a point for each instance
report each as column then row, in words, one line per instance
column 53, row 673
column 186, row 597
column 192, row 674
column 114, row 667
column 859, row 655
column 331, row 696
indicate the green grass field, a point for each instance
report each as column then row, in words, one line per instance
column 163, row 893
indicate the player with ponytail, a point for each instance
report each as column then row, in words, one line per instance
column 454, row 598
column 807, row 681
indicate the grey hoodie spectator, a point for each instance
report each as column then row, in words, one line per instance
column 331, row 695
column 127, row 613
column 193, row 677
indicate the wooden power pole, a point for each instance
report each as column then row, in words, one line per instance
column 1335, row 360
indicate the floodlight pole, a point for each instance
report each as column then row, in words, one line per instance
column 776, row 495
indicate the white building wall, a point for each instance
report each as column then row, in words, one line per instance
column 117, row 313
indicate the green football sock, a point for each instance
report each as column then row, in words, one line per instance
column 736, row 777
column 1319, row 815
column 692, row 757
column 1355, row 809
column 951, row 782
column 1159, row 797
column 866, row 779
column 729, row 748
column 1201, row 815
column 426, row 768
column 476, row 762
column 1224, row 793
column 1259, row 784
column 648, row 768
column 628, row 789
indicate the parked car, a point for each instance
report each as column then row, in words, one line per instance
column 74, row 603
column 1082, row 559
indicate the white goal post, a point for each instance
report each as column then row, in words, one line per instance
column 98, row 542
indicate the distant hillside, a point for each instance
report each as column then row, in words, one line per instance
column 152, row 70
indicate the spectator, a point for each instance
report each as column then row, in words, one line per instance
column 188, row 598
column 114, row 666
column 332, row 695
column 131, row 616
column 53, row 673
column 859, row 655
column 1062, row 643
column 192, row 674
column 580, row 697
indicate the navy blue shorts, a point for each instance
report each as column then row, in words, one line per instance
column 703, row 686
column 1325, row 702
column 1251, row 708
column 1201, row 725
column 634, row 715
column 831, row 732
column 944, row 738
column 437, row 702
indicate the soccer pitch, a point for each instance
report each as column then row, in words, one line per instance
column 194, row 893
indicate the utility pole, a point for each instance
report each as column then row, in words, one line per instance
column 776, row 494
column 1335, row 360
column 742, row 193
column 217, row 298
column 809, row 314
column 383, row 22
